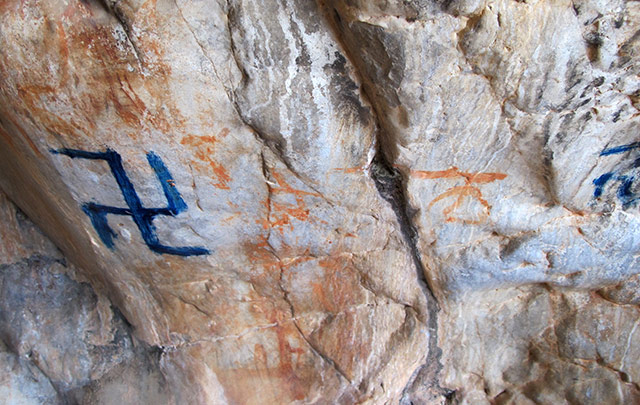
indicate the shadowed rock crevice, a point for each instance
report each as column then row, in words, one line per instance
column 374, row 55
column 114, row 8
column 390, row 185
column 392, row 188
column 79, row 364
column 388, row 180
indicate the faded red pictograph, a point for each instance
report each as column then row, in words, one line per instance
column 459, row 193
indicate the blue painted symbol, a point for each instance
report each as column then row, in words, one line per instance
column 143, row 217
column 620, row 149
column 624, row 193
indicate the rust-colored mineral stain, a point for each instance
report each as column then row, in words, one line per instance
column 95, row 83
column 8, row 6
column 7, row 138
column 221, row 175
column 319, row 295
column 193, row 140
column 111, row 82
column 461, row 192
column 283, row 379
column 339, row 283
column 285, row 331
column 337, row 292
column 350, row 170
column 23, row 134
column 63, row 50
column 127, row 104
column 260, row 355
column 284, row 187
column 261, row 254
column 281, row 215
column 77, row 9
column 299, row 213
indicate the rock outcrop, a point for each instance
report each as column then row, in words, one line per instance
column 61, row 342
column 321, row 201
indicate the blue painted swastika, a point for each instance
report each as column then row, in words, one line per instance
column 143, row 217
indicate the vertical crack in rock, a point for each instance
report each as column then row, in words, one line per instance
column 265, row 174
column 274, row 146
column 388, row 180
column 272, row 143
column 392, row 188
column 112, row 7
column 285, row 294
column 316, row 350
column 390, row 185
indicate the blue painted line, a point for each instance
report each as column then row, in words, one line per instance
column 174, row 199
column 600, row 182
column 620, row 149
column 100, row 224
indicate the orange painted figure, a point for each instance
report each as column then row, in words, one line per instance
column 461, row 192
column 204, row 151
column 281, row 214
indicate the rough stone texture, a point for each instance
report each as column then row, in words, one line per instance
column 61, row 342
column 21, row 382
column 332, row 201
column 531, row 345
column 499, row 135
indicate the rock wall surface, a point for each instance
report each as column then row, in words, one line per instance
column 324, row 201
column 61, row 342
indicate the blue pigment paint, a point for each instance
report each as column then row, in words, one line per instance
column 143, row 217
column 600, row 183
column 624, row 193
column 620, row 149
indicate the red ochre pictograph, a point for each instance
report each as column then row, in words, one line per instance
column 469, row 189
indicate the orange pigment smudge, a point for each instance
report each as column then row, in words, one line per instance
column 205, row 149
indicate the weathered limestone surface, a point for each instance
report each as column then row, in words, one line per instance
column 497, row 114
column 60, row 341
column 322, row 201
column 22, row 383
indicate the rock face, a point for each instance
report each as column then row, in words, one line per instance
column 61, row 341
column 321, row 201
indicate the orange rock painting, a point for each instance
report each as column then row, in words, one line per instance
column 204, row 149
column 280, row 215
column 459, row 193
column 263, row 255
column 357, row 169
